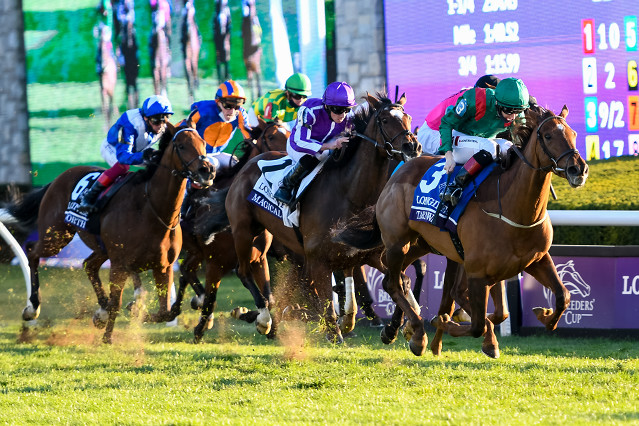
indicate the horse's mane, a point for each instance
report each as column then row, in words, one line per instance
column 362, row 115
column 522, row 132
column 146, row 173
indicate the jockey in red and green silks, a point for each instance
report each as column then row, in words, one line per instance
column 135, row 131
column 468, row 130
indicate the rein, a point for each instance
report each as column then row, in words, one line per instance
column 391, row 152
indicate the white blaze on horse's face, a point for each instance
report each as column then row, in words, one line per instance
column 397, row 113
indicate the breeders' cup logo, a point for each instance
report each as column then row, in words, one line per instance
column 384, row 305
column 577, row 286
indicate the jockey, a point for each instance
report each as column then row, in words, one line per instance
column 480, row 114
column 428, row 134
column 216, row 122
column 282, row 104
column 134, row 132
column 320, row 126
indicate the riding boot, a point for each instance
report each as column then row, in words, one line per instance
column 90, row 198
column 285, row 193
column 471, row 169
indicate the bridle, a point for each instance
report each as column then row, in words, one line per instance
column 185, row 173
column 391, row 152
column 554, row 166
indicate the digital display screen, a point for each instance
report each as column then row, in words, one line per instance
column 581, row 53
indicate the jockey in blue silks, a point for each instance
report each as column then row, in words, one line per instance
column 320, row 126
column 135, row 131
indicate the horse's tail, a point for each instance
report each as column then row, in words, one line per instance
column 24, row 213
column 360, row 231
column 214, row 219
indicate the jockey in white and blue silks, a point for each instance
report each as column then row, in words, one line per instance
column 135, row 131
column 320, row 126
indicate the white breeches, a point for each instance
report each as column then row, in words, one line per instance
column 429, row 139
column 108, row 153
column 222, row 160
column 465, row 146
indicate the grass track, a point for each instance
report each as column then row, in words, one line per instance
column 154, row 375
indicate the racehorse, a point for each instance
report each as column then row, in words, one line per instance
column 345, row 186
column 129, row 50
column 252, row 42
column 219, row 255
column 504, row 230
column 191, row 42
column 161, row 62
column 145, row 210
column 107, row 73
column 222, row 38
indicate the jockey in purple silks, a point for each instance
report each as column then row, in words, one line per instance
column 320, row 126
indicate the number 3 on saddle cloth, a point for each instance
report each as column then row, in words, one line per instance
column 273, row 171
column 427, row 206
column 90, row 222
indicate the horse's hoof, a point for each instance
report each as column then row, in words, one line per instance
column 107, row 339
column 263, row 328
column 197, row 302
column 335, row 338
column 460, row 315
column 491, row 351
column 347, row 323
column 387, row 340
column 100, row 318
column 29, row 314
column 263, row 321
column 235, row 313
column 418, row 348
column 436, row 347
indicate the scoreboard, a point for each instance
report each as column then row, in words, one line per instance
column 581, row 53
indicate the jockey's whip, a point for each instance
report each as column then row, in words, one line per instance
column 396, row 92
column 552, row 191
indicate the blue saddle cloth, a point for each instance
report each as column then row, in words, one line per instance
column 427, row 200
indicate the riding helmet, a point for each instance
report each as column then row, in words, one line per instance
column 299, row 83
column 512, row 93
column 155, row 105
column 339, row 93
column 230, row 89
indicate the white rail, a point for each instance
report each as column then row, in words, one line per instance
column 594, row 217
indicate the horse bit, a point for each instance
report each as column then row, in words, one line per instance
column 391, row 152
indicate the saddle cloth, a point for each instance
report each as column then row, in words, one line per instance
column 273, row 172
column 426, row 199
column 90, row 222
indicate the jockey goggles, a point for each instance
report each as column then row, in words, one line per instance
column 509, row 111
column 226, row 105
column 156, row 120
column 338, row 109
column 298, row 97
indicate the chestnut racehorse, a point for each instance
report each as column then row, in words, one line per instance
column 505, row 229
column 344, row 187
column 145, row 210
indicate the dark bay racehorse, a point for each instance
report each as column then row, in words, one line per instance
column 129, row 50
column 252, row 42
column 505, row 229
column 219, row 256
column 343, row 188
column 139, row 227
column 222, row 39
column 191, row 42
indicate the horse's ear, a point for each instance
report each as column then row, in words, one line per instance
column 190, row 120
column 564, row 112
column 402, row 99
column 372, row 100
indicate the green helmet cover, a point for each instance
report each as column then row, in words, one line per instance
column 512, row 93
column 299, row 83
